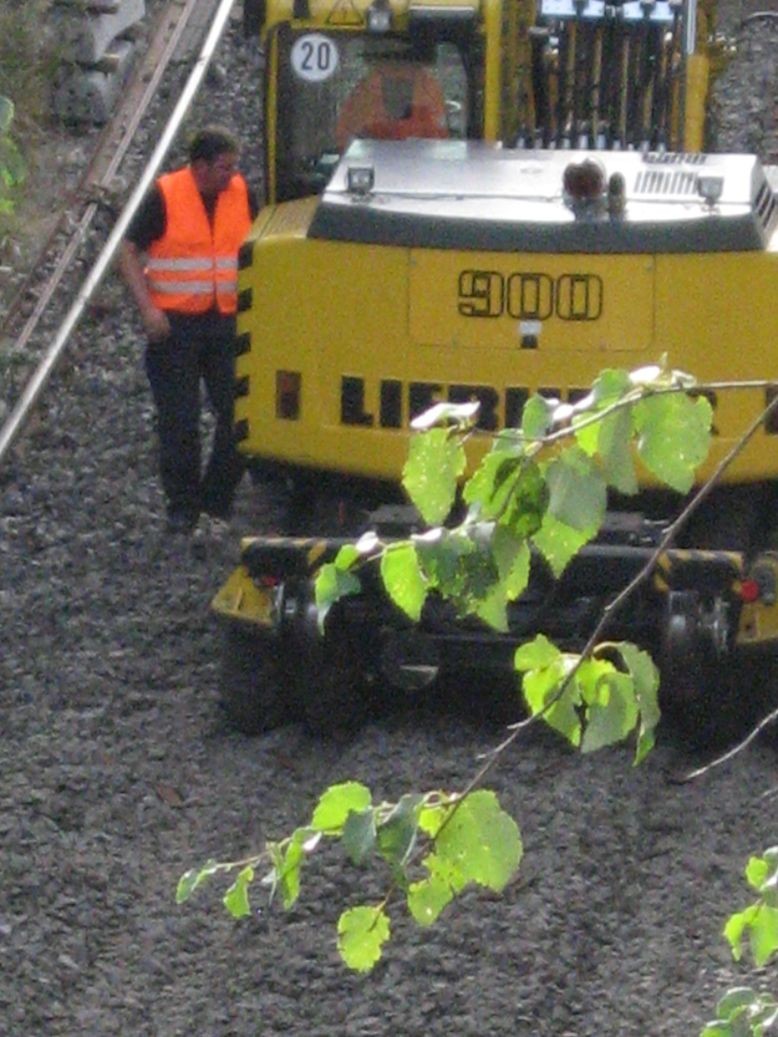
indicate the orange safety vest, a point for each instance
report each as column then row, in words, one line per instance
column 194, row 263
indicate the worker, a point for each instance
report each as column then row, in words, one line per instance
column 189, row 229
column 394, row 101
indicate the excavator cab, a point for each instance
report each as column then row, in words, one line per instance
column 329, row 87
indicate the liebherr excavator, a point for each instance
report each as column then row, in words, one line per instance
column 480, row 200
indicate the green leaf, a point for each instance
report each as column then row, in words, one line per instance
column 541, row 687
column 734, row 1001
column 537, row 654
column 439, row 552
column 742, row 1012
column 288, row 867
column 476, row 566
column 403, row 579
column 508, row 487
column 757, row 872
column 764, row 934
column 592, row 680
column 236, row 899
column 546, row 669
column 736, row 927
column 492, row 482
column 397, row 833
column 587, row 432
column 362, row 932
column 477, row 563
column 493, row 608
column 193, row 878
column 614, row 448
column 528, row 502
column 336, row 803
column 427, row 898
column 436, row 460
column 288, row 857
column 577, row 496
column 610, row 386
column 558, row 543
column 645, row 678
column 611, row 722
column 359, row 835
column 346, row 557
column 512, row 557
column 446, row 870
column 332, row 584
column 481, row 841
column 431, row 817
column 673, row 436
column 537, row 415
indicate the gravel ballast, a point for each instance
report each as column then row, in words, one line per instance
column 119, row 773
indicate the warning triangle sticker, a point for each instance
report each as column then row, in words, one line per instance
column 345, row 12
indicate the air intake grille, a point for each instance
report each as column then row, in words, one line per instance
column 666, row 182
column 765, row 206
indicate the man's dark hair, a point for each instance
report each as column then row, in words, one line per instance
column 210, row 142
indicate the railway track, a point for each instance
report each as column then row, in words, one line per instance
column 178, row 32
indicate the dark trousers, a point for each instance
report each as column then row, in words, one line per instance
column 199, row 348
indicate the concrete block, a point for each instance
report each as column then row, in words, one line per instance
column 89, row 94
column 85, row 36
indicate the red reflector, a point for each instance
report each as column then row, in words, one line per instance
column 268, row 582
column 288, row 386
column 749, row 591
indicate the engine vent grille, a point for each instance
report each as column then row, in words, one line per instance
column 765, row 206
column 666, row 182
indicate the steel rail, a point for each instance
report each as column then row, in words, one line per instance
column 37, row 383
column 127, row 115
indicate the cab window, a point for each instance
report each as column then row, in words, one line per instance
column 333, row 87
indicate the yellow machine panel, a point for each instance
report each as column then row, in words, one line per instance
column 376, row 331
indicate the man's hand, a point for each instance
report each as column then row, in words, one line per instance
column 156, row 323
column 154, row 319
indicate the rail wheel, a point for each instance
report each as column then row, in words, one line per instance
column 707, row 689
column 254, row 695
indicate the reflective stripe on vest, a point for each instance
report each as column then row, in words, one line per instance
column 194, row 265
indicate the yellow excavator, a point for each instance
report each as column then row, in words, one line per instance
column 480, row 200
